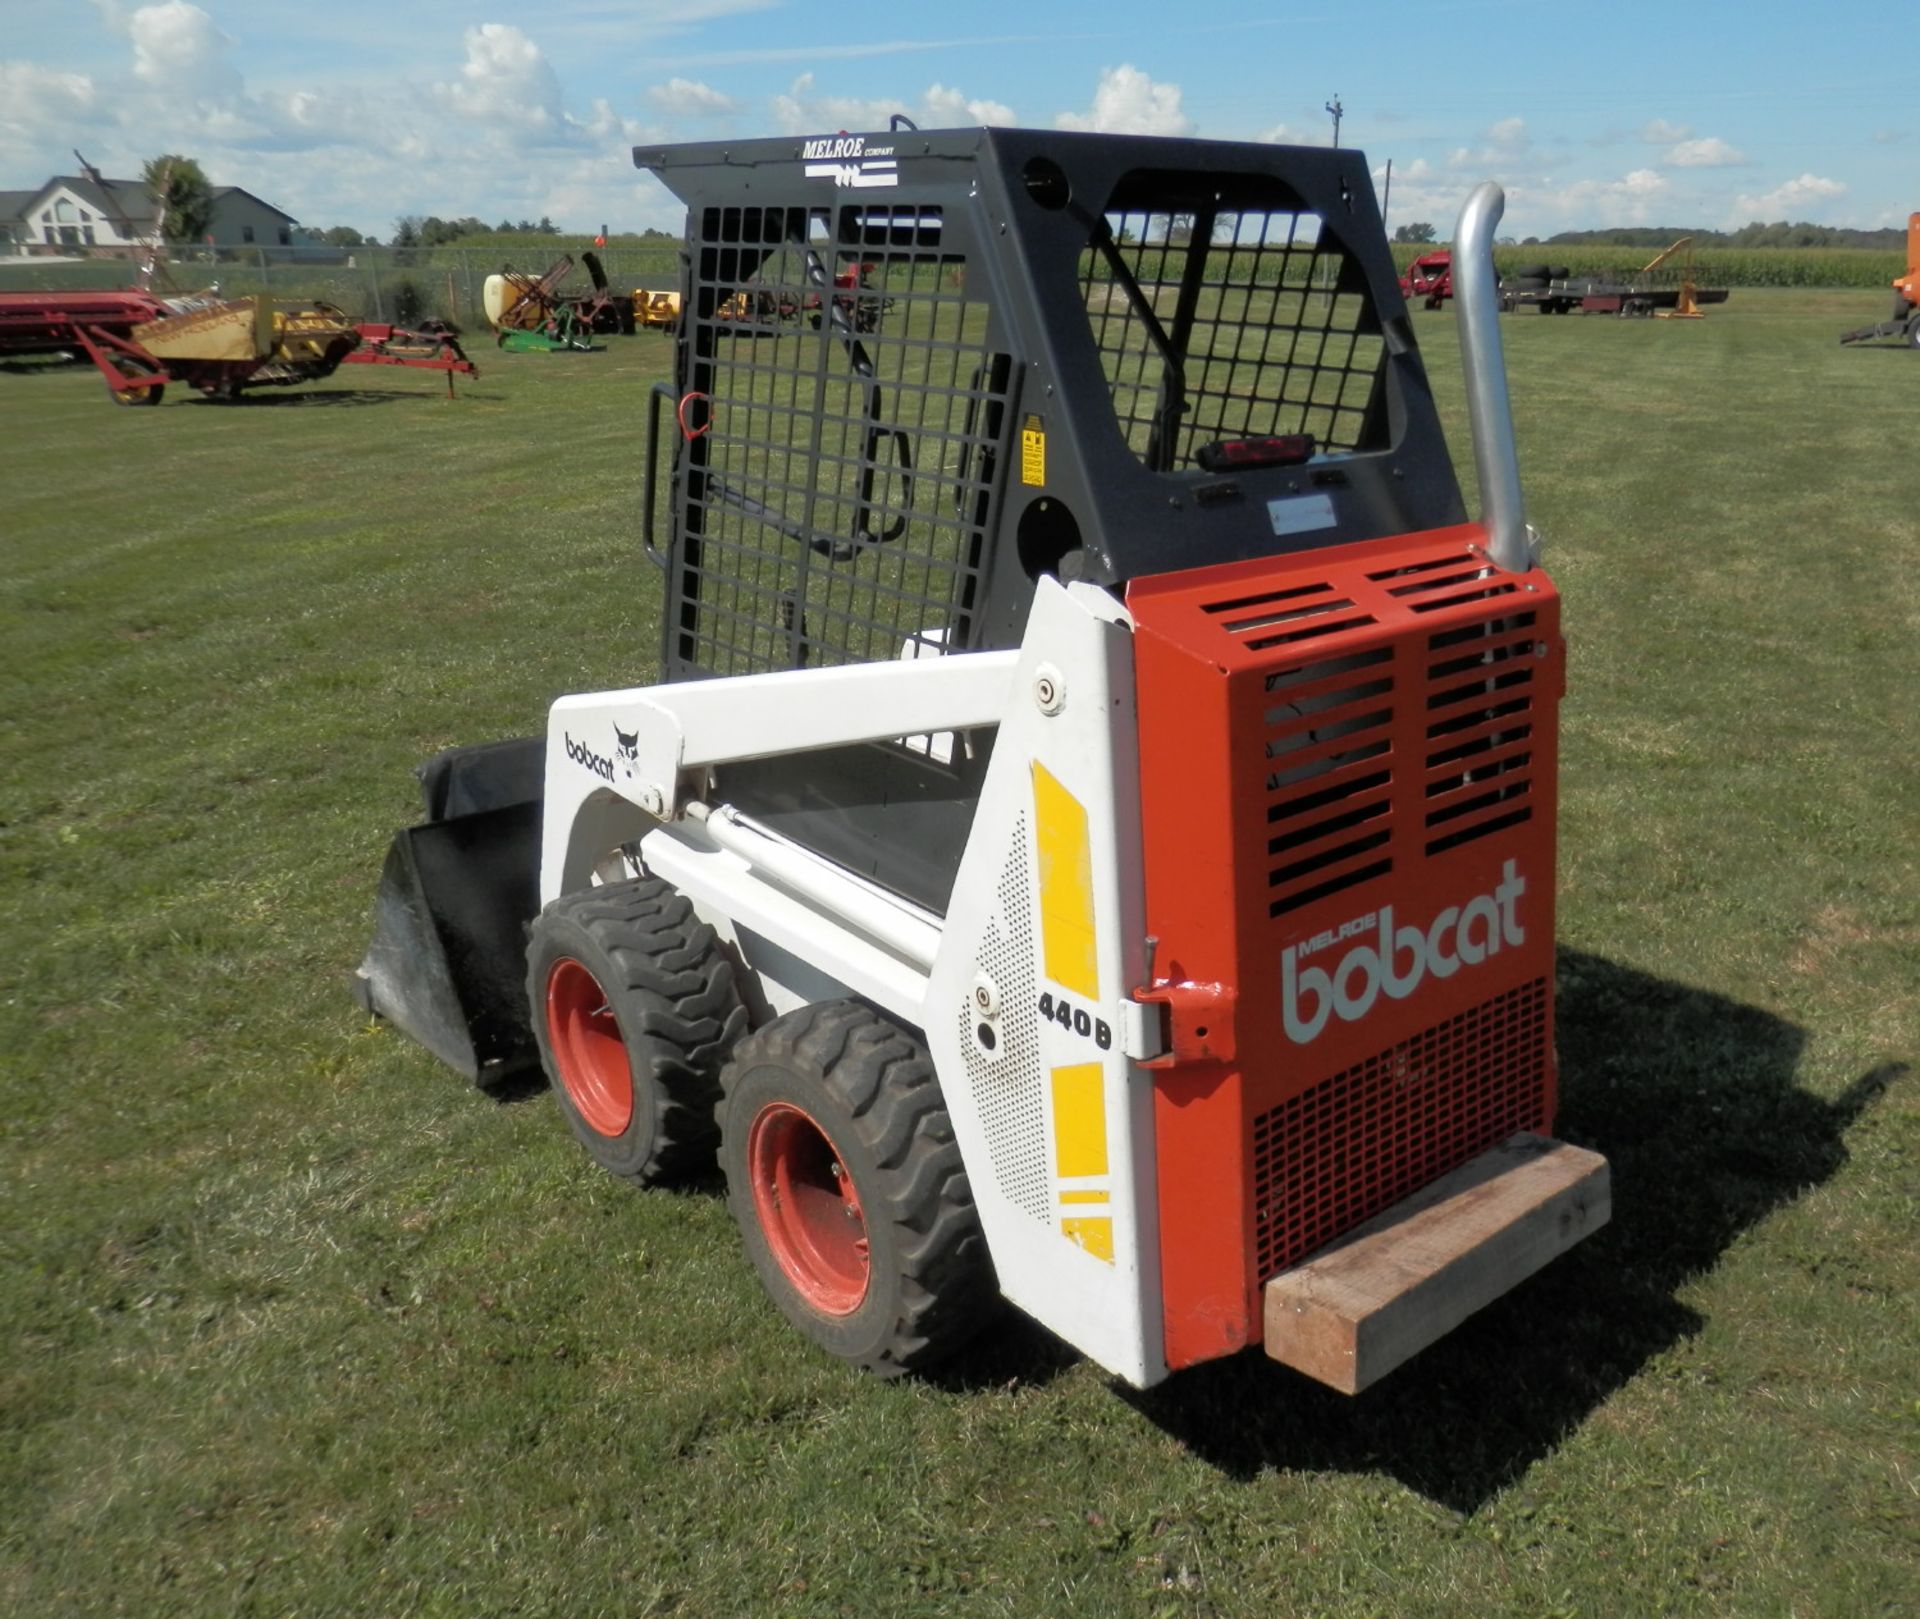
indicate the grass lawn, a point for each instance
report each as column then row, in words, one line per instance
column 291, row 1323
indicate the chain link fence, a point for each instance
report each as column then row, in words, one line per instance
column 403, row 285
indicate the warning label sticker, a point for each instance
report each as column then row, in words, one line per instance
column 1033, row 450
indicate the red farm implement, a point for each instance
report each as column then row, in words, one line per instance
column 1429, row 277
column 141, row 343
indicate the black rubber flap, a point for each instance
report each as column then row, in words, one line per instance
column 448, row 958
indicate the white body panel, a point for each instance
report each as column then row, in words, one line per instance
column 1055, row 1120
column 1081, row 640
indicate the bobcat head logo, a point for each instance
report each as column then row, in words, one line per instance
column 626, row 747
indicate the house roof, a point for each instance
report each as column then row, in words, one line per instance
column 13, row 204
column 240, row 191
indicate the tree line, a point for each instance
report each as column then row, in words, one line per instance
column 1756, row 234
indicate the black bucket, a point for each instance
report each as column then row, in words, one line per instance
column 448, row 958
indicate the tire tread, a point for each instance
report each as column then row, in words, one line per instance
column 885, row 1080
column 681, row 1012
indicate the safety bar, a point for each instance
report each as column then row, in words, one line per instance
column 661, row 393
column 1489, row 410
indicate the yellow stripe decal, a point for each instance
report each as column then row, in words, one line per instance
column 1093, row 1233
column 1084, row 1197
column 1079, row 1121
column 1066, row 885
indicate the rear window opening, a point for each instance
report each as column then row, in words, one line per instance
column 1231, row 317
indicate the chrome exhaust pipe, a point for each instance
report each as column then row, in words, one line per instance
column 1489, row 410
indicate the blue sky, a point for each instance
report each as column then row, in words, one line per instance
column 355, row 112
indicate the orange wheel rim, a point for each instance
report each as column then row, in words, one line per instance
column 588, row 1049
column 809, row 1209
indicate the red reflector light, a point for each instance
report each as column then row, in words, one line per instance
column 1243, row 454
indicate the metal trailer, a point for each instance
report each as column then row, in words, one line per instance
column 1596, row 295
column 1092, row 841
column 1556, row 290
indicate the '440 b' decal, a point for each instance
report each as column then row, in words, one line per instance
column 1077, row 1019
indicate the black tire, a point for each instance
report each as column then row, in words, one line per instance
column 847, row 1184
column 637, row 1075
column 1913, row 329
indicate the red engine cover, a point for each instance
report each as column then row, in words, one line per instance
column 1348, row 764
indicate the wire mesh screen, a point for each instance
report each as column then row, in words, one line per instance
column 836, row 504
column 1232, row 325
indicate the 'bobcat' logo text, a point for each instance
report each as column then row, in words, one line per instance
column 1396, row 960
column 584, row 756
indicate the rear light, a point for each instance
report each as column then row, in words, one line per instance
column 1246, row 454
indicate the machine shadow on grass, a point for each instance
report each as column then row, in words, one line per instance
column 336, row 396
column 1693, row 1098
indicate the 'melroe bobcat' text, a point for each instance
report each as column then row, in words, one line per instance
column 1398, row 960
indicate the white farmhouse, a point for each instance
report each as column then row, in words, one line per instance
column 72, row 213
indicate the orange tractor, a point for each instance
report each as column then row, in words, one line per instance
column 1903, row 325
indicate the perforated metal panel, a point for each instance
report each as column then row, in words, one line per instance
column 1007, row 1085
column 1364, row 1138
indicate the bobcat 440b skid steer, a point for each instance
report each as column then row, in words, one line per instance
column 1092, row 841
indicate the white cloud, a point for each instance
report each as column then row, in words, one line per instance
column 33, row 97
column 1658, row 132
column 485, row 129
column 949, row 109
column 1506, row 143
column 801, row 112
column 1509, row 135
column 1287, row 135
column 686, row 98
column 604, row 124
column 506, row 78
column 1408, row 173
column 1889, row 137
column 1127, row 102
column 1628, row 200
column 1709, row 152
column 178, row 51
column 1803, row 195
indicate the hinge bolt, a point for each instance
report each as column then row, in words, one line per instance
column 1050, row 689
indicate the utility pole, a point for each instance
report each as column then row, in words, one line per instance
column 1337, row 110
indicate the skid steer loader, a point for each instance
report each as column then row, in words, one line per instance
column 1092, row 839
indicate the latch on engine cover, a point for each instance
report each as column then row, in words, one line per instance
column 1199, row 1022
